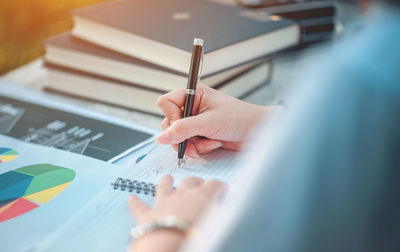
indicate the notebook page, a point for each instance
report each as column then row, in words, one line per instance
column 104, row 223
column 219, row 165
column 101, row 225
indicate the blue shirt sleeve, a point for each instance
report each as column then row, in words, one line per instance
column 333, row 184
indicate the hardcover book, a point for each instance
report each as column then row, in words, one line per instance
column 162, row 32
column 110, row 91
column 68, row 52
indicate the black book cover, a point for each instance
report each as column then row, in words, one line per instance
column 303, row 10
column 177, row 22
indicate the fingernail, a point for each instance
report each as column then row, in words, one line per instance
column 192, row 154
column 217, row 145
column 213, row 145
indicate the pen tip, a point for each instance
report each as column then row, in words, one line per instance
column 181, row 162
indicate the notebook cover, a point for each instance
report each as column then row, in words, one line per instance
column 177, row 22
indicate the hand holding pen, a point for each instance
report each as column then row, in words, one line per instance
column 221, row 120
column 194, row 77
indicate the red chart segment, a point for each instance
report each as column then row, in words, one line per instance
column 16, row 208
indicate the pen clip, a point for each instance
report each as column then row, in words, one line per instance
column 201, row 69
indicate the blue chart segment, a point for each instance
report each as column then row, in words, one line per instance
column 13, row 184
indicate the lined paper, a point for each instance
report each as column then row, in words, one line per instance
column 219, row 164
column 104, row 223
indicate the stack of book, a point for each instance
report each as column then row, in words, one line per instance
column 317, row 18
column 128, row 53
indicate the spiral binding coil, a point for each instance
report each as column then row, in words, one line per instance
column 134, row 185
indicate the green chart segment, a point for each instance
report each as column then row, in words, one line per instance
column 24, row 189
column 7, row 154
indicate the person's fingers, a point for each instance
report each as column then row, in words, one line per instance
column 186, row 128
column 165, row 123
column 175, row 146
column 171, row 104
column 190, row 150
column 164, row 188
column 189, row 182
column 137, row 206
column 213, row 188
column 204, row 146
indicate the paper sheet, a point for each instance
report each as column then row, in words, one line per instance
column 51, row 188
column 104, row 223
column 219, row 164
column 38, row 118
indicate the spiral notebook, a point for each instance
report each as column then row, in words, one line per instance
column 107, row 220
column 162, row 160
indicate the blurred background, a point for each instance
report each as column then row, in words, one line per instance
column 24, row 23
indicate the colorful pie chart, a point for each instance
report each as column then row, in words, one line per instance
column 26, row 188
column 7, row 154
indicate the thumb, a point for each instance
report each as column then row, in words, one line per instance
column 184, row 129
column 137, row 206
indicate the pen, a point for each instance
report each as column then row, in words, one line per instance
column 194, row 77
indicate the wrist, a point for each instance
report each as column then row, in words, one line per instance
column 170, row 239
column 259, row 112
column 168, row 230
column 166, row 222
